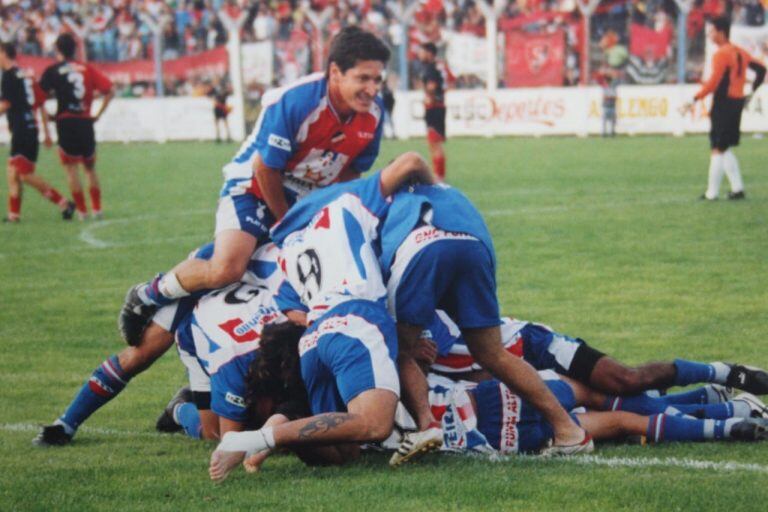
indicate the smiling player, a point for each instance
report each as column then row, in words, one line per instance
column 323, row 129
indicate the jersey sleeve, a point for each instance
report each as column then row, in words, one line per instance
column 101, row 82
column 367, row 157
column 40, row 95
column 4, row 89
column 369, row 191
column 287, row 299
column 274, row 141
column 719, row 65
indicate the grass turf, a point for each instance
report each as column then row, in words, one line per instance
column 602, row 239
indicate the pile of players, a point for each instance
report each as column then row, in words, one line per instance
column 334, row 310
column 74, row 85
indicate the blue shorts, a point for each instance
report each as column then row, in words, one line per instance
column 244, row 212
column 350, row 349
column 454, row 273
column 545, row 349
column 511, row 425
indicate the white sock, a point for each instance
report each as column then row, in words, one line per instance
column 731, row 164
column 170, row 287
column 722, row 371
column 69, row 430
column 250, row 441
column 715, row 175
column 741, row 409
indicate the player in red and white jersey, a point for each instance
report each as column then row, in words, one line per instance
column 323, row 129
column 20, row 96
column 75, row 84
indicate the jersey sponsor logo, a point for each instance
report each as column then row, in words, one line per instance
column 510, row 409
column 234, row 399
column 365, row 135
column 429, row 234
column 279, row 142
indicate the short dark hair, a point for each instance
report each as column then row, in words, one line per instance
column 9, row 49
column 430, row 47
column 723, row 24
column 66, row 45
column 354, row 44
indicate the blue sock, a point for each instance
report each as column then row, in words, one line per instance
column 662, row 427
column 691, row 372
column 105, row 383
column 188, row 417
column 721, row 411
column 695, row 396
column 639, row 404
column 151, row 295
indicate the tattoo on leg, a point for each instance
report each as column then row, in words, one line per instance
column 322, row 424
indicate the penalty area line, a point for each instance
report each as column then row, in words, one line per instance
column 33, row 427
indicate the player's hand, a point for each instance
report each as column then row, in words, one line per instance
column 253, row 463
column 686, row 108
column 47, row 142
column 425, row 351
column 748, row 99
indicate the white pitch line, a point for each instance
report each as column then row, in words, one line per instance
column 583, row 460
column 582, row 206
column 88, row 236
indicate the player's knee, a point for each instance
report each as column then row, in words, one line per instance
column 378, row 430
column 223, row 273
column 626, row 381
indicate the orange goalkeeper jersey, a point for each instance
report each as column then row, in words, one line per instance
column 729, row 73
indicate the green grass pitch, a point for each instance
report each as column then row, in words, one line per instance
column 602, row 239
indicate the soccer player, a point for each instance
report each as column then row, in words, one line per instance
column 546, row 349
column 348, row 353
column 220, row 110
column 75, row 84
column 323, row 129
column 726, row 84
column 439, row 255
column 489, row 418
column 111, row 377
column 434, row 106
column 19, row 97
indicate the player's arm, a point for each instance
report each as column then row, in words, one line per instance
column 430, row 87
column 4, row 106
column 40, row 98
column 406, row 168
column 759, row 70
column 270, row 183
column 718, row 70
column 103, row 85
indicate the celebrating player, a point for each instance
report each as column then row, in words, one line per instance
column 74, row 85
column 434, row 106
column 546, row 349
column 323, row 129
column 726, row 84
column 348, row 352
column 19, row 97
column 439, row 255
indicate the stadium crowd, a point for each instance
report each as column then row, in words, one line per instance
column 121, row 30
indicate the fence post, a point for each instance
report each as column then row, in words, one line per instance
column 403, row 14
column 234, row 49
column 587, row 7
column 156, row 26
column 684, row 7
column 319, row 22
column 491, row 14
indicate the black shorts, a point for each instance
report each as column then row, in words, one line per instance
column 24, row 144
column 726, row 123
column 76, row 138
column 220, row 113
column 584, row 361
column 435, row 118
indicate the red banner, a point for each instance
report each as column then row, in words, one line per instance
column 208, row 62
column 535, row 59
column 645, row 42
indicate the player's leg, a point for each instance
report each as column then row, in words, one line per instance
column 106, row 382
column 716, row 171
column 609, row 375
column 14, row 194
column 435, row 118
column 663, row 427
column 69, row 146
column 733, row 172
column 49, row 192
column 94, row 187
column 730, row 162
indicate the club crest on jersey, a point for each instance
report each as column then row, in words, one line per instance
column 279, row 142
column 338, row 137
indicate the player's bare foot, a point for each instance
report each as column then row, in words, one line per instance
column 222, row 463
column 253, row 463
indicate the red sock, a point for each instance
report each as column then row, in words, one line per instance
column 438, row 163
column 53, row 196
column 95, row 199
column 14, row 207
column 79, row 199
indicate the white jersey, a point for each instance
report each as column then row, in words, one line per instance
column 228, row 323
column 332, row 260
